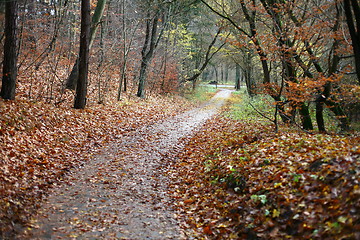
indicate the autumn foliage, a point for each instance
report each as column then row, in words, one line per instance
column 42, row 143
column 234, row 179
column 240, row 180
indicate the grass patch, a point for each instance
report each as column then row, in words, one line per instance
column 201, row 94
column 240, row 107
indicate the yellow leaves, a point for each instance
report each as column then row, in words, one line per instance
column 275, row 213
column 356, row 190
column 342, row 219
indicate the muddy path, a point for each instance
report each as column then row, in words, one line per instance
column 122, row 192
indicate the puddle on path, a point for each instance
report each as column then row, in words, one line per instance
column 121, row 193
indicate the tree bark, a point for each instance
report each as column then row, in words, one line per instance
column 10, row 51
column 320, row 116
column 352, row 10
column 147, row 52
column 305, row 117
column 237, row 77
column 124, row 53
column 71, row 81
column 81, row 89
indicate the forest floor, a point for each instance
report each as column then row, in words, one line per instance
column 239, row 179
column 42, row 143
column 143, row 170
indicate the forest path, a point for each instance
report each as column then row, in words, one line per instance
column 122, row 192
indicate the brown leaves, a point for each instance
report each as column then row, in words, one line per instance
column 252, row 184
column 41, row 143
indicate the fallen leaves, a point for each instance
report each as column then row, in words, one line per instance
column 41, row 143
column 248, row 183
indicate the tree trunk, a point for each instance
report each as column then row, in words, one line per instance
column 10, row 51
column 339, row 113
column 352, row 10
column 248, row 72
column 147, row 52
column 237, row 77
column 305, row 117
column 71, row 81
column 142, row 78
column 124, row 53
column 222, row 73
column 81, row 89
column 216, row 74
column 226, row 73
column 320, row 116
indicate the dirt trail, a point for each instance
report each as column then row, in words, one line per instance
column 121, row 193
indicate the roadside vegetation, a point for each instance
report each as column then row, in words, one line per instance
column 239, row 179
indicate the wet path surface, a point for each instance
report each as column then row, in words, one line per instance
column 122, row 193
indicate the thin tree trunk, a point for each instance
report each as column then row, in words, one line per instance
column 339, row 113
column 123, row 69
column 81, row 89
column 226, row 73
column 164, row 63
column 10, row 51
column 125, row 53
column 248, row 75
column 320, row 116
column 237, row 77
column 222, row 73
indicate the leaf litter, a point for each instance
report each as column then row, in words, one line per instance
column 120, row 192
column 41, row 143
column 240, row 180
column 231, row 180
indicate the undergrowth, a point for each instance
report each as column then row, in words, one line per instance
column 246, row 108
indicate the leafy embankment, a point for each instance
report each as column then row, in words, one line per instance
column 40, row 143
column 240, row 180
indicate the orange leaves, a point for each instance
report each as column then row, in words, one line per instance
column 293, row 185
column 40, row 143
column 207, row 230
column 189, row 201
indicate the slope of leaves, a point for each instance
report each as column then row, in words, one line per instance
column 240, row 180
column 40, row 143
